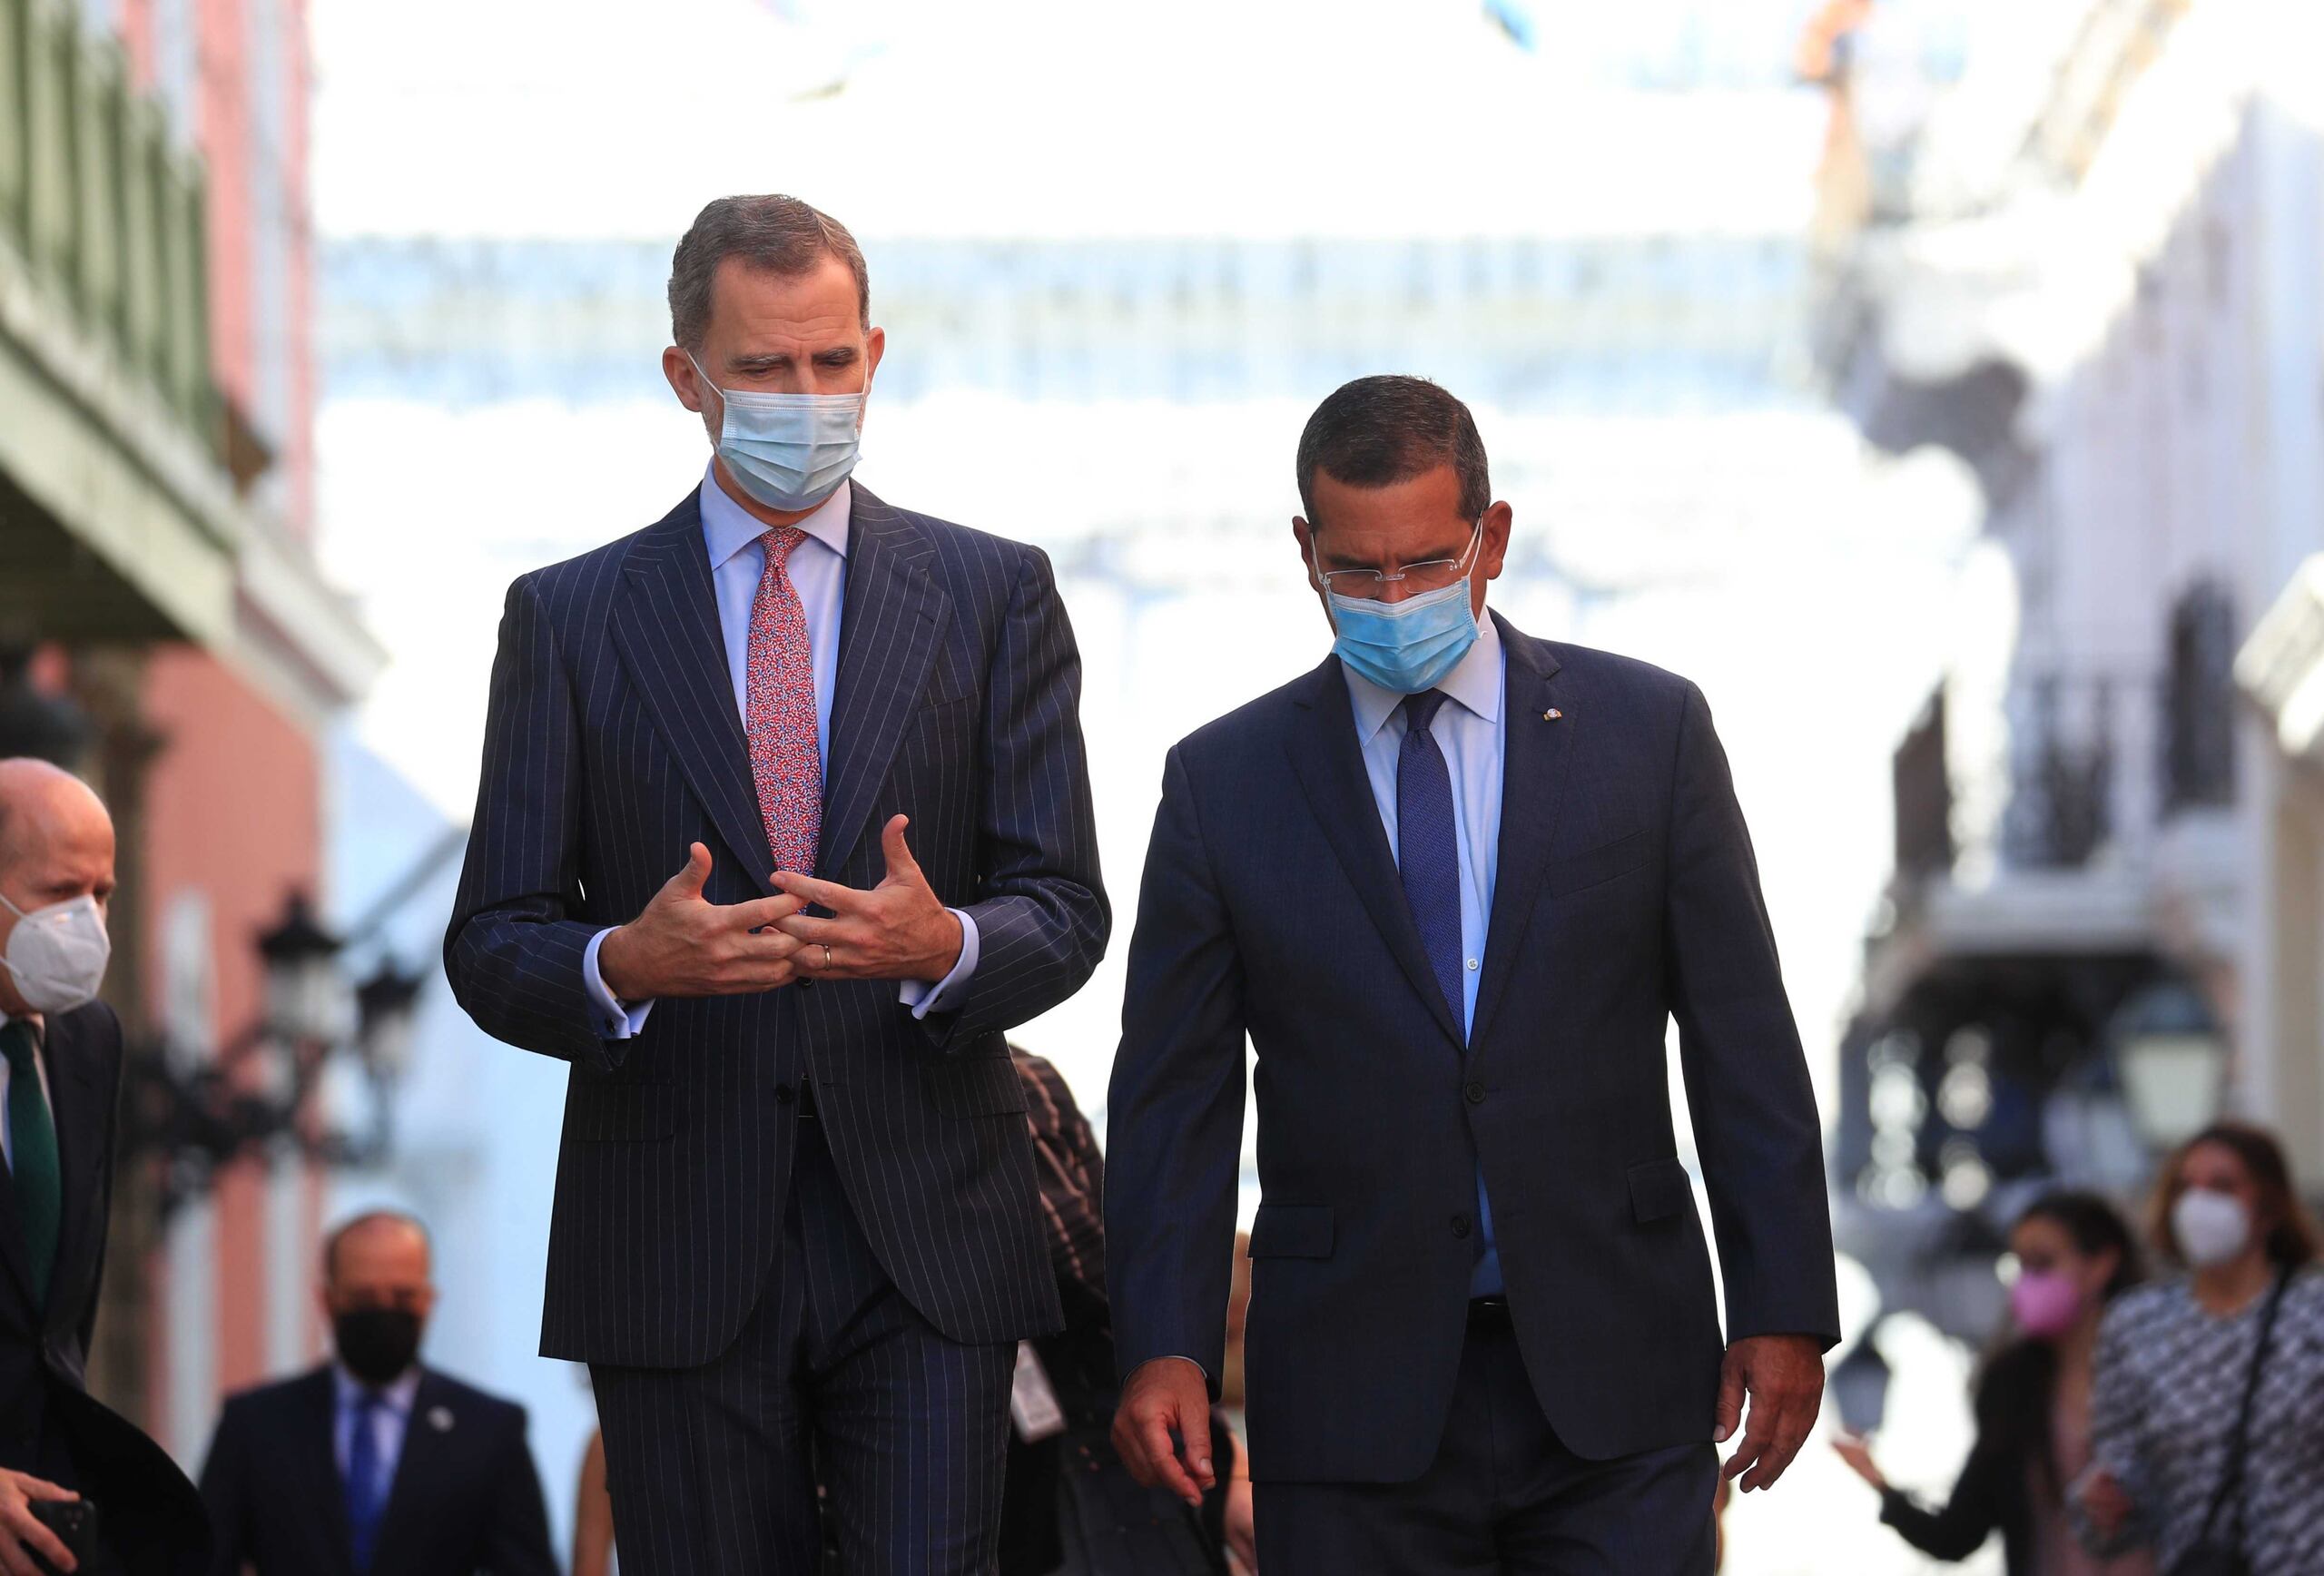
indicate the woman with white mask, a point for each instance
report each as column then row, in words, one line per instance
column 2208, row 1418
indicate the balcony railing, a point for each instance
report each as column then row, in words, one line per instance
column 104, row 213
column 2069, row 795
column 2095, row 765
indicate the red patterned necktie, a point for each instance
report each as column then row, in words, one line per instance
column 780, row 712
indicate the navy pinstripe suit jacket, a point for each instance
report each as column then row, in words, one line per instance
column 612, row 742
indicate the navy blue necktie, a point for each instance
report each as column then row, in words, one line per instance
column 1428, row 850
column 367, row 1505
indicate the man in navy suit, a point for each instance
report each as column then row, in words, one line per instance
column 60, row 1092
column 1454, row 884
column 374, row 1464
column 796, row 1226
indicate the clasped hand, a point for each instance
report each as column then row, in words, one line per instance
column 682, row 944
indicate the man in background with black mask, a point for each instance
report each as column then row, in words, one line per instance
column 374, row 1463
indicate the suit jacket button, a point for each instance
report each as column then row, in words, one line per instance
column 783, row 1093
column 1474, row 1092
column 1460, row 1226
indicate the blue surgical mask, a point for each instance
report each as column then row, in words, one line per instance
column 1406, row 647
column 789, row 451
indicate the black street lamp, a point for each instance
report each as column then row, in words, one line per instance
column 198, row 1120
column 2172, row 1059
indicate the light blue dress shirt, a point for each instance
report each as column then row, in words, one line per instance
column 735, row 540
column 391, row 1421
column 1470, row 731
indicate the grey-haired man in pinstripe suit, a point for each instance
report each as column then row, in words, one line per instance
column 796, row 1229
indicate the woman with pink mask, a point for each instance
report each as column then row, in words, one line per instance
column 2073, row 1254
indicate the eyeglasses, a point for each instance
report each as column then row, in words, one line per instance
column 1428, row 574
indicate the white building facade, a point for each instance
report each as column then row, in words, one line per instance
column 2089, row 265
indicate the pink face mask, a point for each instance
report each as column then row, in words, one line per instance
column 2046, row 1304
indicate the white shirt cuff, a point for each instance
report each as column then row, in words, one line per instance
column 944, row 995
column 613, row 1020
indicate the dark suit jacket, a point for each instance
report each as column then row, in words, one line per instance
column 49, row 1424
column 612, row 742
column 465, row 1497
column 1626, row 894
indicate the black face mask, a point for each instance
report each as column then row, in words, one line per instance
column 376, row 1344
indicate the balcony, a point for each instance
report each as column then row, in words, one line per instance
column 126, row 509
column 2098, row 822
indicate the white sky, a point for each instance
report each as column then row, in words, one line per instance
column 1041, row 118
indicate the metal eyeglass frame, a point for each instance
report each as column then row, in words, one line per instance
column 1379, row 580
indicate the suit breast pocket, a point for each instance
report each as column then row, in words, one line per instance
column 1595, row 867
column 939, row 733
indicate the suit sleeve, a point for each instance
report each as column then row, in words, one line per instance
column 1040, row 912
column 1754, row 1112
column 225, row 1492
column 516, row 1541
column 1174, row 1124
column 514, row 953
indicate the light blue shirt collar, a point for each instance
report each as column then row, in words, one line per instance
column 727, row 528
column 1475, row 682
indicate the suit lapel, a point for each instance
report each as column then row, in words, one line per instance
column 12, row 1250
column 423, row 1470
column 314, row 1450
column 665, row 625
column 77, row 1105
column 1329, row 763
column 1536, row 755
column 12, row 1234
column 894, row 618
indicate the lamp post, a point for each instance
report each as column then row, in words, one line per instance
column 197, row 1121
column 2171, row 1060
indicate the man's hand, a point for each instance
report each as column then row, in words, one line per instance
column 21, row 1536
column 685, row 945
column 897, row 931
column 1164, row 1396
column 1784, row 1376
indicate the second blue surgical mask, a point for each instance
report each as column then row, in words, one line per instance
column 1406, row 647
column 789, row 451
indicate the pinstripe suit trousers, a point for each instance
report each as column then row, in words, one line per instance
column 834, row 1377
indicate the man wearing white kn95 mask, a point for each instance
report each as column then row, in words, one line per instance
column 80, row 1488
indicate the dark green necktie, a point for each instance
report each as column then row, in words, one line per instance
column 31, row 1155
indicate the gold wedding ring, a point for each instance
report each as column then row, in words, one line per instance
column 827, row 954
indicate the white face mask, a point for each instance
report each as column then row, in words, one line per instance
column 2211, row 1227
column 57, row 955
